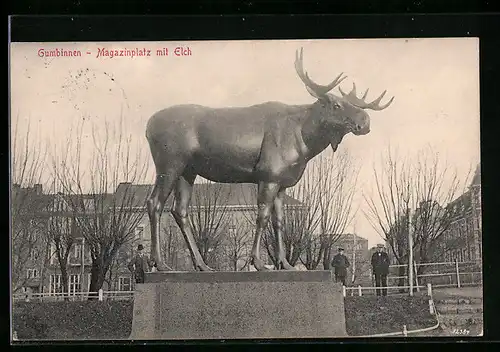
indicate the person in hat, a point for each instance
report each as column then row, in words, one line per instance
column 140, row 264
column 340, row 263
column 380, row 267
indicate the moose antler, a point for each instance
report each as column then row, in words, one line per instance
column 317, row 89
column 361, row 103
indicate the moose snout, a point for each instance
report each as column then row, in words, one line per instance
column 361, row 129
column 361, row 124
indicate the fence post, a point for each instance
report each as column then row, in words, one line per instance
column 100, row 294
column 458, row 273
column 416, row 276
column 405, row 332
column 359, row 290
column 343, row 290
column 431, row 306
column 429, row 289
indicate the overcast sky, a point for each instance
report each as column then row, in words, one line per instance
column 435, row 83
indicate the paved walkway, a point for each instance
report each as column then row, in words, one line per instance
column 450, row 292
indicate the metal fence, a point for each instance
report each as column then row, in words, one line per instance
column 101, row 295
column 444, row 274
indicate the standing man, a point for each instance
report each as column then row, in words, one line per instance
column 139, row 265
column 340, row 263
column 380, row 266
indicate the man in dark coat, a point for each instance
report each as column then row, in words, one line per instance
column 139, row 265
column 380, row 266
column 340, row 263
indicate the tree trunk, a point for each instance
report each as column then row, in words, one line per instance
column 235, row 262
column 45, row 262
column 401, row 280
column 97, row 276
column 65, row 281
column 327, row 257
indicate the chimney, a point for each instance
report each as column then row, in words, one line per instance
column 37, row 189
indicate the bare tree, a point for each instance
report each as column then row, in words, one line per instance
column 28, row 157
column 410, row 196
column 327, row 189
column 237, row 246
column 171, row 246
column 61, row 233
column 437, row 186
column 209, row 218
column 106, row 220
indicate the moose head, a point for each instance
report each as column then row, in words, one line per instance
column 346, row 112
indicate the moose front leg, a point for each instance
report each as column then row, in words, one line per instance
column 277, row 219
column 266, row 194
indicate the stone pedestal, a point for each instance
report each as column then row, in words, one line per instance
column 238, row 305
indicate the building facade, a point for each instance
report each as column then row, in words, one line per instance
column 462, row 241
column 222, row 217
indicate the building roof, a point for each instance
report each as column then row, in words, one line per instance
column 349, row 237
column 29, row 200
column 135, row 195
column 476, row 180
column 221, row 193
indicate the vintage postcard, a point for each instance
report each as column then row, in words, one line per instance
column 245, row 189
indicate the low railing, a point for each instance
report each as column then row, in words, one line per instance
column 100, row 295
column 358, row 290
column 444, row 274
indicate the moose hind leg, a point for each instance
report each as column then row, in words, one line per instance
column 277, row 220
column 183, row 191
column 155, row 204
column 266, row 194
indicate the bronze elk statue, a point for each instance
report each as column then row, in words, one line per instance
column 267, row 144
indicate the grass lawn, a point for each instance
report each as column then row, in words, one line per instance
column 370, row 315
column 73, row 320
column 113, row 319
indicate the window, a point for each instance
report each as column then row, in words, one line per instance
column 32, row 273
column 77, row 251
column 66, row 225
column 53, row 254
column 124, row 283
column 139, row 232
column 55, row 284
column 34, row 253
column 74, row 283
